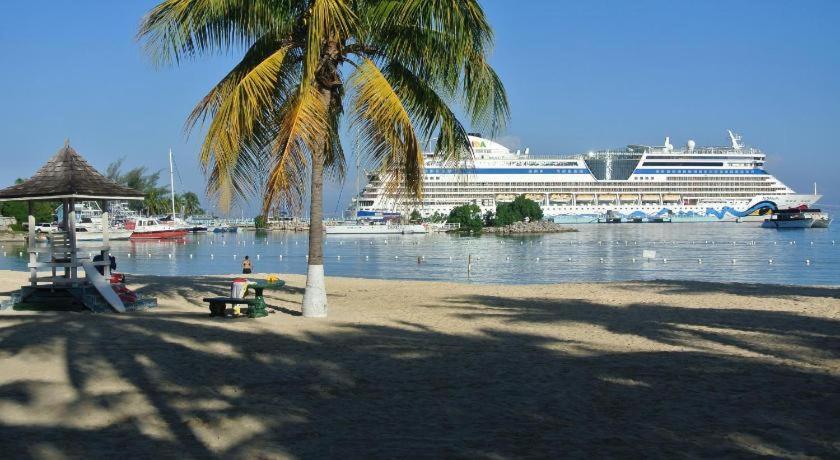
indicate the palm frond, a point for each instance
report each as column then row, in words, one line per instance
column 387, row 136
column 302, row 128
column 433, row 38
column 242, row 108
column 484, row 95
column 178, row 29
column 431, row 114
column 327, row 21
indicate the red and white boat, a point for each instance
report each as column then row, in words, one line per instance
column 150, row 229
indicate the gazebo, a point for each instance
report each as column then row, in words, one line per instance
column 67, row 178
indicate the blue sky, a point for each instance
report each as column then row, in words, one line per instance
column 580, row 75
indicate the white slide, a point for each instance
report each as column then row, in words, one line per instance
column 103, row 286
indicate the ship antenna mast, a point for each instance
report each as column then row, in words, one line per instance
column 735, row 139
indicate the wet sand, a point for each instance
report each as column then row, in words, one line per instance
column 430, row 369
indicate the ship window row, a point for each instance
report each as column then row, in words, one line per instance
column 726, row 179
column 591, row 189
column 704, row 157
column 640, row 186
column 709, row 171
column 693, row 164
column 456, row 202
column 646, row 186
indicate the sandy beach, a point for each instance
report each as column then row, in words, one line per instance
column 430, row 369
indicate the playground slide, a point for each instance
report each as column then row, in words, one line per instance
column 103, row 286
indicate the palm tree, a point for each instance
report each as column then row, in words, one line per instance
column 190, row 202
column 411, row 63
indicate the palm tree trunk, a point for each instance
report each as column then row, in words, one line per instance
column 315, row 296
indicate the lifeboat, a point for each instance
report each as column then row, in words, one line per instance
column 584, row 198
column 650, row 198
column 627, row 198
column 606, row 198
column 671, row 198
column 538, row 197
column 560, row 198
column 505, row 198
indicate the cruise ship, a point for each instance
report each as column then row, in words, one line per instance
column 690, row 183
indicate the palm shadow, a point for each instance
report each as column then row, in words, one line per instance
column 174, row 384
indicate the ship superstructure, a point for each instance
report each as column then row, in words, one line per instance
column 692, row 182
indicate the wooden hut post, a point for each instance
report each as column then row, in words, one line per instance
column 106, row 247
column 65, row 224
column 71, row 227
column 33, row 258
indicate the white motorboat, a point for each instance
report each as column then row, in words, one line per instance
column 148, row 228
column 375, row 229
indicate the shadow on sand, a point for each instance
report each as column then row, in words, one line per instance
column 193, row 388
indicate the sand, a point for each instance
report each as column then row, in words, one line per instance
column 430, row 369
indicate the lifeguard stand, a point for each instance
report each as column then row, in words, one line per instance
column 68, row 178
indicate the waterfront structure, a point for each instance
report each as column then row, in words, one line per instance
column 68, row 178
column 690, row 183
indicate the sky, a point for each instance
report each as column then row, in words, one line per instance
column 580, row 75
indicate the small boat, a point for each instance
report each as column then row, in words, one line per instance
column 628, row 198
column 788, row 218
column 650, row 198
column 86, row 234
column 148, row 228
column 225, row 229
column 821, row 219
column 606, row 198
column 671, row 198
column 90, row 229
column 375, row 229
column 584, row 198
column 610, row 220
column 504, row 198
column 538, row 197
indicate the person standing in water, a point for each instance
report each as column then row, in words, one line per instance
column 246, row 266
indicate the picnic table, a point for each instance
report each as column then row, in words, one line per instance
column 256, row 305
column 258, row 309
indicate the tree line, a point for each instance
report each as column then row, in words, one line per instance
column 472, row 221
column 156, row 197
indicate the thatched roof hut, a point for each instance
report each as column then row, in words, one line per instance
column 68, row 176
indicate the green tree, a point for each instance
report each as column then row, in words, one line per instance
column 415, row 216
column 44, row 211
column 276, row 114
column 157, row 198
column 489, row 219
column 469, row 216
column 437, row 217
column 260, row 222
column 191, row 204
column 517, row 210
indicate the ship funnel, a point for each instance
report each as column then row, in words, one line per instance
column 668, row 145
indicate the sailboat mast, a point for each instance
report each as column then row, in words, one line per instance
column 172, row 184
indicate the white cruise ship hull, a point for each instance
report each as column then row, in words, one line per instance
column 692, row 184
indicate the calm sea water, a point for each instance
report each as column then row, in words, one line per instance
column 597, row 252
